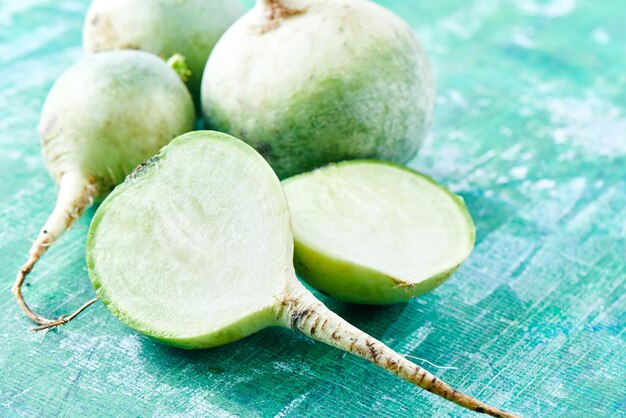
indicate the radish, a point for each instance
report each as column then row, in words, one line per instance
column 195, row 250
column 164, row 27
column 308, row 82
column 376, row 233
column 103, row 117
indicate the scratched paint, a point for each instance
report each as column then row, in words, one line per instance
column 530, row 128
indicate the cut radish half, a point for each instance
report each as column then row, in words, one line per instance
column 375, row 232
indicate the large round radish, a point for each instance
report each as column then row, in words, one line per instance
column 195, row 250
column 103, row 117
column 374, row 232
column 164, row 27
column 308, row 82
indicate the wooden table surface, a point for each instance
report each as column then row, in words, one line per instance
column 530, row 129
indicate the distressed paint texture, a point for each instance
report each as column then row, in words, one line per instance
column 530, row 128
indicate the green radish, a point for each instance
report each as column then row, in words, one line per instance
column 104, row 116
column 376, row 233
column 195, row 250
column 308, row 82
column 164, row 27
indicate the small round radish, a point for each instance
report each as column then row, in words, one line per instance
column 308, row 82
column 103, row 117
column 376, row 233
column 164, row 27
column 211, row 262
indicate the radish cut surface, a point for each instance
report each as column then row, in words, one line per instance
column 201, row 268
column 374, row 232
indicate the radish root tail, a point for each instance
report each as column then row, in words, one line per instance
column 75, row 195
column 65, row 319
column 302, row 312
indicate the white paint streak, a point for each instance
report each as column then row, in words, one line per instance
column 601, row 36
column 597, row 126
column 551, row 9
column 524, row 40
column 291, row 406
column 464, row 23
column 506, row 131
column 283, row 366
column 457, row 98
column 519, row 172
column 415, row 339
column 510, row 153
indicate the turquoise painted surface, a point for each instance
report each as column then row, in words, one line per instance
column 530, row 128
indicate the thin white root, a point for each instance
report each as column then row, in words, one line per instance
column 64, row 319
column 301, row 311
column 75, row 194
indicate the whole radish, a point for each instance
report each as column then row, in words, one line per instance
column 308, row 82
column 104, row 116
column 164, row 27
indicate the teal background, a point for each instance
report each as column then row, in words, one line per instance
column 530, row 129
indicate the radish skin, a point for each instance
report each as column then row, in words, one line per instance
column 310, row 82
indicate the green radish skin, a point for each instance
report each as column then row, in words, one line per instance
column 104, row 116
column 354, row 283
column 377, row 233
column 211, row 262
column 311, row 82
column 164, row 27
